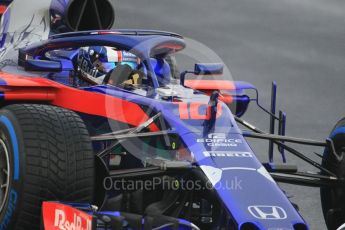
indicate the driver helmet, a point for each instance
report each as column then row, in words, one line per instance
column 95, row 62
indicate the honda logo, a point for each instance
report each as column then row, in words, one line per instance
column 267, row 212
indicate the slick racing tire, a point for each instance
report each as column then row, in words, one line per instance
column 333, row 199
column 45, row 154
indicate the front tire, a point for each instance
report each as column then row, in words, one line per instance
column 333, row 199
column 48, row 156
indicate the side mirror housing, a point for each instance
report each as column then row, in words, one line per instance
column 203, row 69
column 42, row 65
column 208, row 69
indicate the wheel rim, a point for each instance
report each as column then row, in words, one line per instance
column 4, row 174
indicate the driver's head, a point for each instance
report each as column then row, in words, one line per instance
column 95, row 62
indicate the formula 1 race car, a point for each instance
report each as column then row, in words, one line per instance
column 99, row 129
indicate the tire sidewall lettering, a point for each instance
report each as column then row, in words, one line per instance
column 7, row 131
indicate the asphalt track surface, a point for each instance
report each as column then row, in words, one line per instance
column 298, row 43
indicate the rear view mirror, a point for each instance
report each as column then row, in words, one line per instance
column 203, row 69
column 42, row 66
column 208, row 68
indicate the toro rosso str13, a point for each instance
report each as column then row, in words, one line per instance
column 100, row 129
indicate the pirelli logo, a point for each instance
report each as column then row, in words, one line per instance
column 227, row 154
